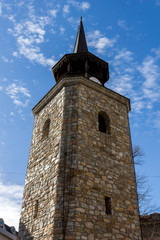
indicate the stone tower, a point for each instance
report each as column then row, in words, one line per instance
column 80, row 181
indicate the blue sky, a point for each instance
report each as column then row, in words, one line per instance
column 35, row 34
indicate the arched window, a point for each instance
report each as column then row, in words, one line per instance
column 1, row 223
column 104, row 122
column 45, row 130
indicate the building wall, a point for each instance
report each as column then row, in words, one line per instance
column 2, row 237
column 5, row 235
column 72, row 171
column 105, row 169
column 41, row 178
column 150, row 225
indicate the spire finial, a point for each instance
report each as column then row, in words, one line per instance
column 80, row 44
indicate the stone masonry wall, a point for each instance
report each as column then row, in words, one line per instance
column 39, row 199
column 104, row 169
column 72, row 171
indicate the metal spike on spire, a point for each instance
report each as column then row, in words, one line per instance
column 80, row 44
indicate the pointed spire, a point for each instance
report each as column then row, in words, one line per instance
column 80, row 44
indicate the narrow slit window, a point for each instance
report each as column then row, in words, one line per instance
column 45, row 130
column 104, row 122
column 108, row 209
column 36, row 205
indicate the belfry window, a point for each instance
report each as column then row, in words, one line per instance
column 103, row 123
column 45, row 130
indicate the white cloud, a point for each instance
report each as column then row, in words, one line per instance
column 10, row 203
column 156, row 120
column 30, row 34
column 0, row 8
column 19, row 94
column 122, row 75
column 11, row 18
column 5, row 59
column 98, row 41
column 15, row 54
column 85, row 5
column 66, row 9
column 158, row 2
column 80, row 5
column 12, row 114
column 123, row 83
column 54, row 12
column 125, row 55
column 123, row 24
column 1, row 88
column 138, row 105
column 109, row 28
column 62, row 30
column 144, row 89
column 149, row 70
column 4, row 79
column 20, row 3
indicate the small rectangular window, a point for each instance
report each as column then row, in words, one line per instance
column 108, row 205
column 35, row 213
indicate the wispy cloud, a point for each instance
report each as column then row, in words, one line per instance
column 150, row 71
column 30, row 33
column 62, row 30
column 5, row 59
column 15, row 54
column 19, row 94
column 123, row 24
column 156, row 120
column 66, row 9
column 124, row 55
column 140, row 82
column 0, row 8
column 123, row 77
column 80, row 5
column 97, row 40
column 54, row 12
column 10, row 203
column 12, row 114
column 158, row 2
column 85, row 5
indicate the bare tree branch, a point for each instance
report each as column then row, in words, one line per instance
column 146, row 205
column 138, row 155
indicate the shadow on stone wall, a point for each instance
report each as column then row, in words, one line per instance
column 23, row 233
column 66, row 168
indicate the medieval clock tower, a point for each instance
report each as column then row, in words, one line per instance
column 80, row 181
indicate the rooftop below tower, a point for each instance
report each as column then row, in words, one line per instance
column 81, row 62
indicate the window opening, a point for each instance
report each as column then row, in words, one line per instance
column 13, row 230
column 45, row 130
column 104, row 123
column 108, row 205
column 36, row 205
column 1, row 223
